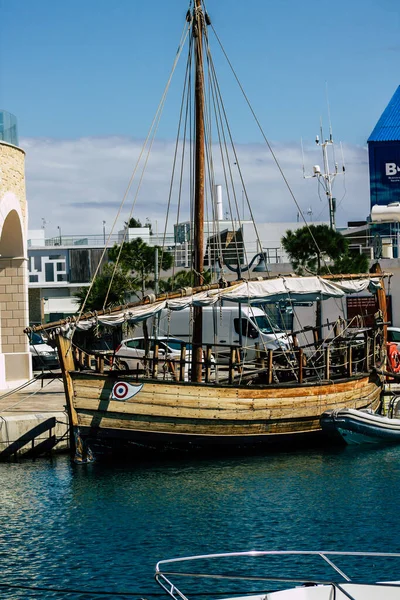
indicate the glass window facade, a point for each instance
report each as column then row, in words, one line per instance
column 8, row 128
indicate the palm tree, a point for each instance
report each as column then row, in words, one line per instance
column 109, row 289
column 181, row 279
column 138, row 257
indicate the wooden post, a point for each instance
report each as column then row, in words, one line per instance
column 381, row 299
column 327, row 363
column 270, row 365
column 318, row 320
column 349, row 360
column 238, row 361
column 182, row 363
column 199, row 187
column 208, row 363
column 336, row 329
column 171, row 366
column 64, row 348
column 367, row 351
column 155, row 359
column 232, row 356
column 300, row 359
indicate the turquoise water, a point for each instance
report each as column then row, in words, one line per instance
column 103, row 527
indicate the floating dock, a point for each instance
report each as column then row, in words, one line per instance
column 33, row 419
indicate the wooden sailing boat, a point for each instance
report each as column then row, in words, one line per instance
column 112, row 410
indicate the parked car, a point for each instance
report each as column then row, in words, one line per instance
column 393, row 334
column 130, row 353
column 43, row 355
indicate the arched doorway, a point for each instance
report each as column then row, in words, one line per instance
column 15, row 363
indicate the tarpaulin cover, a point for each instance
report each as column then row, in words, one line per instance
column 305, row 289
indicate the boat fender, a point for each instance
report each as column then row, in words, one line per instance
column 394, row 358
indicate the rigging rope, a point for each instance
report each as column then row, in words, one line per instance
column 269, row 147
column 152, row 126
column 228, row 129
column 185, row 86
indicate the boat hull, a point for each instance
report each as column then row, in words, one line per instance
column 173, row 416
column 357, row 427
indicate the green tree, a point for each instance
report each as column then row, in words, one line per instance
column 351, row 262
column 121, row 285
column 309, row 248
column 138, row 257
column 134, row 223
column 181, row 279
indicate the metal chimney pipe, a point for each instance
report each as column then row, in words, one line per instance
column 218, row 202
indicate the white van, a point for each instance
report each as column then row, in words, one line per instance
column 221, row 327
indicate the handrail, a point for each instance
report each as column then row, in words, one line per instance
column 326, row 556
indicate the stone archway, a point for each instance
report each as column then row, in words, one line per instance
column 15, row 363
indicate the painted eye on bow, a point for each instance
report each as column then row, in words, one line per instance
column 124, row 391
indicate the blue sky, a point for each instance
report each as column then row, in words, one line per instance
column 96, row 69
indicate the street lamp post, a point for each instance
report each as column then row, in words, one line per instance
column 59, row 234
column 104, row 232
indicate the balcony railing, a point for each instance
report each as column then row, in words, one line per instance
column 244, row 252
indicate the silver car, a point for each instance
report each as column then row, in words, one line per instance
column 43, row 355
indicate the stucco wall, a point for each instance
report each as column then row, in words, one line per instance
column 14, row 349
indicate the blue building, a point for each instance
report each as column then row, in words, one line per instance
column 384, row 155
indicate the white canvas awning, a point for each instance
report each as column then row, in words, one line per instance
column 305, row 289
column 297, row 288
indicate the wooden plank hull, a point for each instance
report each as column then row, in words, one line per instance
column 169, row 415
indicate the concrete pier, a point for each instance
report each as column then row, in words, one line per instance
column 33, row 420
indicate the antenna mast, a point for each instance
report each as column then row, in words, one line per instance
column 326, row 178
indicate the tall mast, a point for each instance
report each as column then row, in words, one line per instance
column 198, row 247
column 200, row 153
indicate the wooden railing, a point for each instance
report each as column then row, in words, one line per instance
column 339, row 357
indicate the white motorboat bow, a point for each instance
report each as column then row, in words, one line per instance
column 302, row 575
column 361, row 426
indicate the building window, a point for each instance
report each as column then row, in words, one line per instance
column 62, row 277
column 37, row 263
column 49, row 271
column 60, row 266
column 33, row 278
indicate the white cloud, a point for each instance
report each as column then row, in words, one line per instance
column 79, row 183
